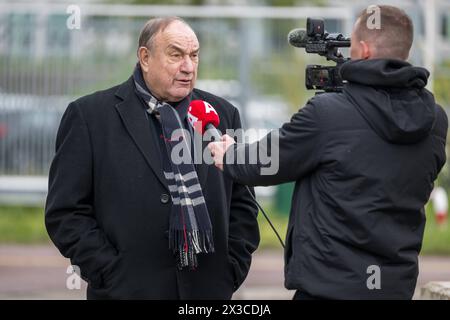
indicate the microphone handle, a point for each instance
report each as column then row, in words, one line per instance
column 215, row 134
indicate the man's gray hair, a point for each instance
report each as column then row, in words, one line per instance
column 152, row 27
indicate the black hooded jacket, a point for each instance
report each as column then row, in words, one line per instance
column 364, row 161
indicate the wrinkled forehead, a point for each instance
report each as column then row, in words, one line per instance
column 178, row 34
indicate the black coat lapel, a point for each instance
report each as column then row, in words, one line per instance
column 135, row 121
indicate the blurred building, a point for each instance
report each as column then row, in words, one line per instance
column 245, row 57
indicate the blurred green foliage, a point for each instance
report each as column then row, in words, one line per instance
column 437, row 237
column 441, row 86
column 22, row 225
column 25, row 225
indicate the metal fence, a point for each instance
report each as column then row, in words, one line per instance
column 244, row 57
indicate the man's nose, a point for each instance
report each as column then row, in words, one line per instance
column 188, row 66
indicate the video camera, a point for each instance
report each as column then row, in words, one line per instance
column 316, row 40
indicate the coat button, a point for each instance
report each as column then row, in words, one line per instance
column 164, row 198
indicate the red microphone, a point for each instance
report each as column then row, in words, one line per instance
column 203, row 117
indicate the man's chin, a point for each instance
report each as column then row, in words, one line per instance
column 181, row 94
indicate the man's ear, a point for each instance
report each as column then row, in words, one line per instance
column 143, row 56
column 365, row 50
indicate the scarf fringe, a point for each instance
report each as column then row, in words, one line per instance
column 187, row 244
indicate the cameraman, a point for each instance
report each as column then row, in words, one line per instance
column 364, row 161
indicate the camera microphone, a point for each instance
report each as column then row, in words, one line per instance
column 297, row 38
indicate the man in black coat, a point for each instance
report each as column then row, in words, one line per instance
column 364, row 161
column 109, row 206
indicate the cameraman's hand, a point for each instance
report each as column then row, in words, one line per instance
column 218, row 149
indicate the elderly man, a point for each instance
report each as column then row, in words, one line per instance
column 118, row 205
column 364, row 161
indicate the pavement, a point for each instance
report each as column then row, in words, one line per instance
column 40, row 272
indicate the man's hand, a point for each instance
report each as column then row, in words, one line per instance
column 218, row 149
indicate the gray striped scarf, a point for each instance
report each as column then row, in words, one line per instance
column 190, row 229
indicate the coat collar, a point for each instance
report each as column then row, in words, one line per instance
column 133, row 117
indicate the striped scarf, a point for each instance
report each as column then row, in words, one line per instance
column 190, row 229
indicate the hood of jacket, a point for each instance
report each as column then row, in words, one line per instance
column 391, row 96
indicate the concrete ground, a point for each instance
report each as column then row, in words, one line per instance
column 39, row 272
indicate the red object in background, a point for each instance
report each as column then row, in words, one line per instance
column 3, row 130
column 440, row 204
column 200, row 114
column 441, row 217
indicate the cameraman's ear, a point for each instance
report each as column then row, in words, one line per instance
column 365, row 50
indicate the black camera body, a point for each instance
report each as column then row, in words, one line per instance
column 326, row 78
column 318, row 41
